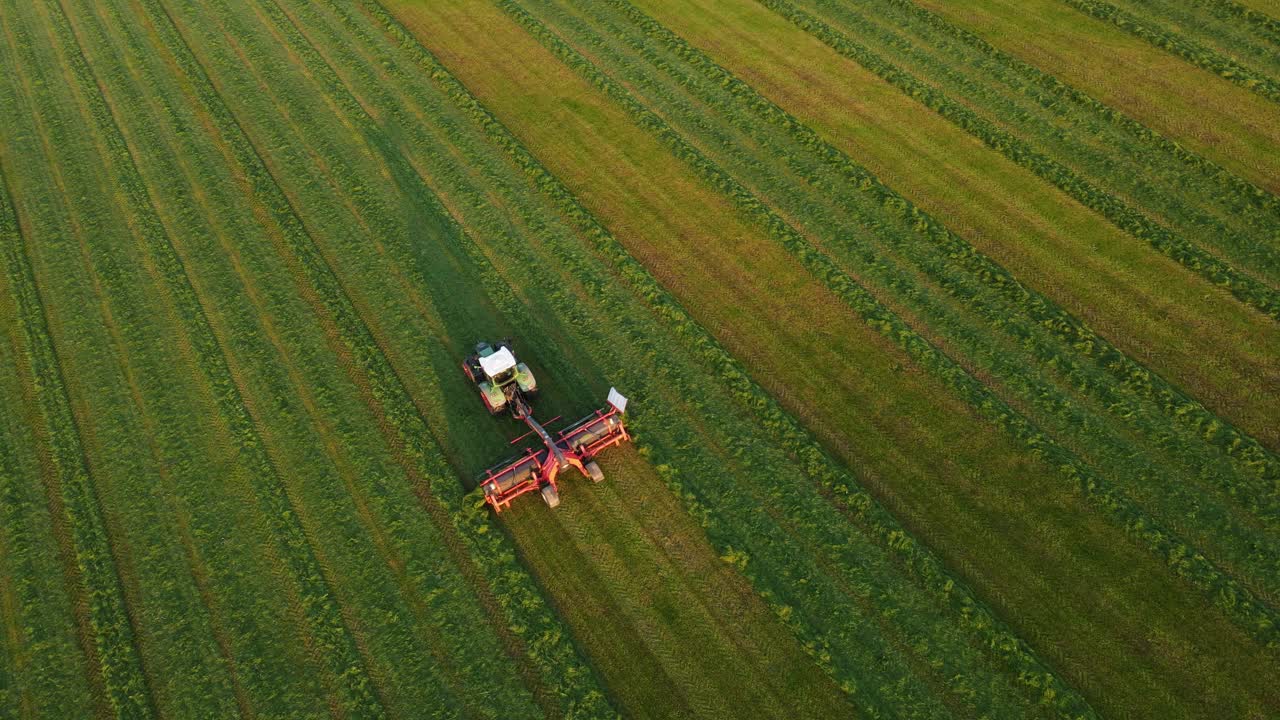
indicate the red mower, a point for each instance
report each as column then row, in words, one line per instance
column 507, row 384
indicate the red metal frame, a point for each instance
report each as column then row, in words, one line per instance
column 557, row 455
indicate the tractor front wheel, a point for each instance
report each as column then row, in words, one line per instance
column 550, row 496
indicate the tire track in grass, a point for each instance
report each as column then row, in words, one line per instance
column 104, row 618
column 1242, row 605
column 571, row 686
column 237, row 405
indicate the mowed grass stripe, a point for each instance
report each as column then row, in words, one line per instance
column 234, row 404
column 1153, row 310
column 403, row 660
column 102, row 614
column 1226, row 123
column 534, row 84
column 753, row 156
column 1172, row 187
column 432, row 488
column 1110, row 498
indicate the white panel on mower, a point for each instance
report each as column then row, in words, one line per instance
column 497, row 363
column 617, row 400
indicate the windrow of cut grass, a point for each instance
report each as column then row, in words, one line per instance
column 46, row 667
column 955, row 377
column 1226, row 123
column 1148, row 307
column 1172, row 41
column 1193, row 196
column 1185, row 251
column 1165, row 479
column 662, row 650
column 1244, row 35
column 486, row 84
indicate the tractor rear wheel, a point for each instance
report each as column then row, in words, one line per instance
column 594, row 472
column 550, row 496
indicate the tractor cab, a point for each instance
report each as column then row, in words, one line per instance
column 499, row 376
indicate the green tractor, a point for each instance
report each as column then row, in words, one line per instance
column 503, row 381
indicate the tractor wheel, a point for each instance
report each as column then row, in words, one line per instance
column 594, row 472
column 550, row 496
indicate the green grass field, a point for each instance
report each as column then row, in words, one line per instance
column 951, row 332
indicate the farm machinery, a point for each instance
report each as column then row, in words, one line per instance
column 507, row 384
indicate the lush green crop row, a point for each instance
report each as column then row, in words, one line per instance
column 1232, row 597
column 1015, row 364
column 546, row 646
column 1115, row 209
column 1188, row 50
column 693, row 486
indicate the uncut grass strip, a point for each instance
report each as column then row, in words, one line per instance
column 1189, row 50
column 922, row 564
column 514, row 592
column 1010, row 364
column 1048, row 91
column 1247, row 453
column 505, row 303
column 1225, row 592
column 102, row 615
column 301, row 389
column 1186, row 252
column 324, row 616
